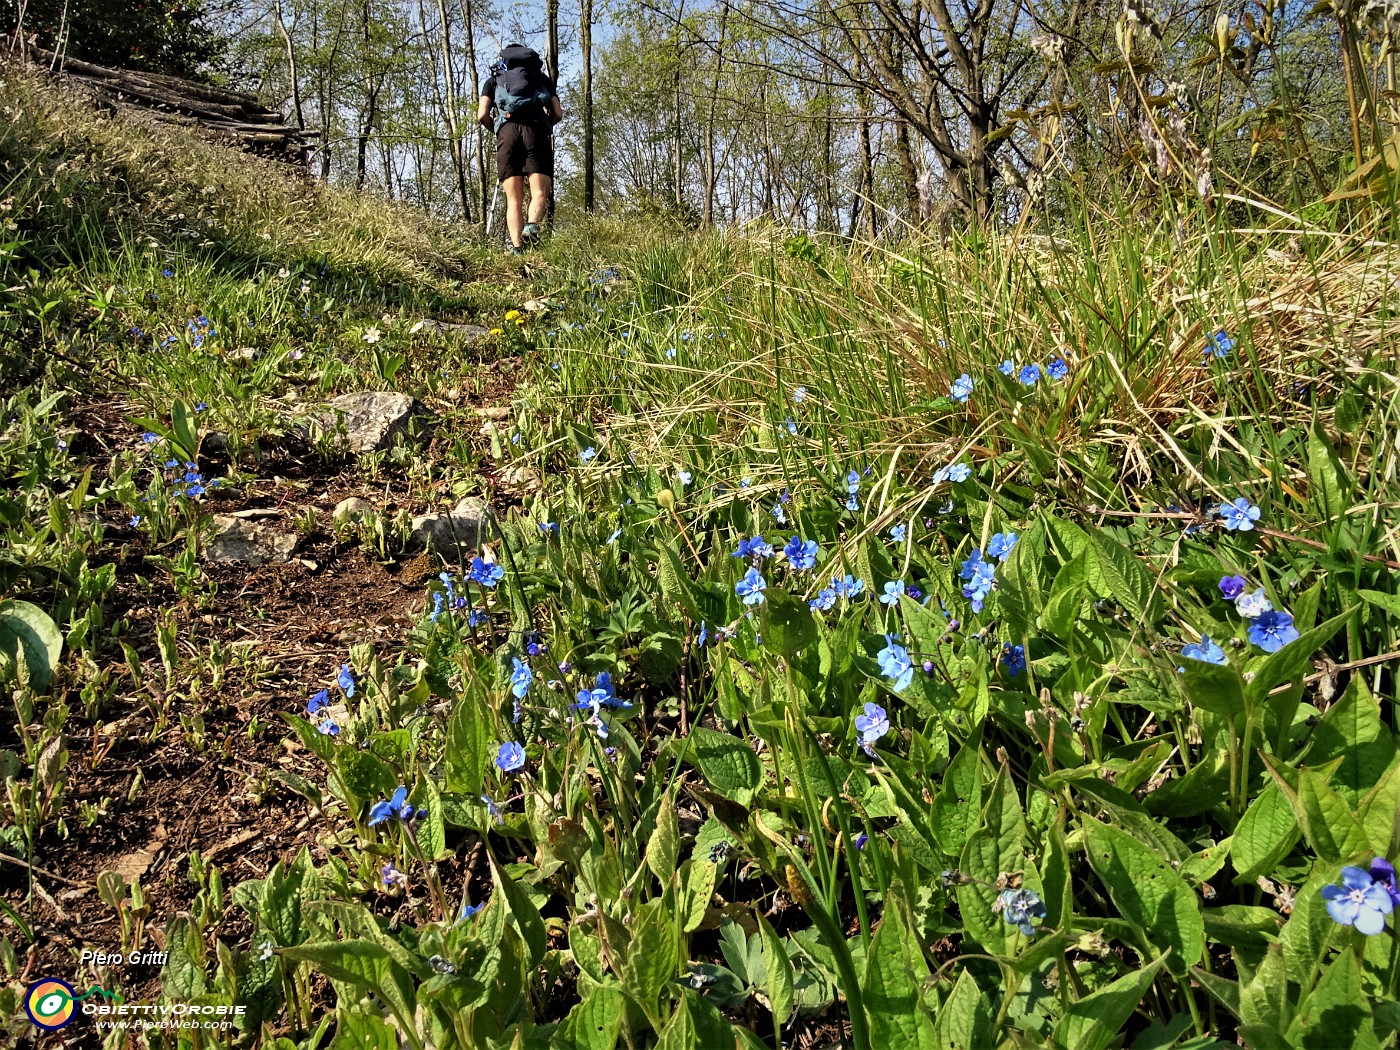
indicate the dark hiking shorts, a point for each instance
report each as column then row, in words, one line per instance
column 524, row 149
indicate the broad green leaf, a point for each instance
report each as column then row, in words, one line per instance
column 777, row 973
column 697, row 886
column 182, row 977
column 652, row 958
column 1264, row 999
column 1380, row 812
column 1066, row 597
column 1147, row 892
column 468, row 744
column 1326, row 491
column 526, row 915
column 1306, row 934
column 663, row 848
column 1328, row 824
column 786, row 623
column 996, row 848
column 29, row 635
column 894, row 975
column 432, row 831
column 711, row 1027
column 311, row 738
column 365, row 965
column 1264, row 836
column 366, row 777
column 964, row 1021
column 1130, row 584
column 1336, row 1013
column 1212, row 687
column 959, row 800
column 727, row 763
column 1352, row 729
column 360, row 1030
column 1096, row 1020
column 595, row 1021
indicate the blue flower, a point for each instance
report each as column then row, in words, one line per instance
column 1013, row 658
column 1359, row 901
column 704, row 635
column 327, row 727
column 872, row 725
column 135, row 520
column 852, row 502
column 853, row 483
column 847, row 586
column 1006, row 367
column 1057, row 369
column 745, row 482
column 895, row 663
column 962, row 388
column 670, row 353
column 1219, row 345
column 493, row 810
column 392, row 877
column 861, row 840
column 1231, row 587
column 397, row 806
column 894, row 590
column 790, row 425
column 1272, row 630
column 486, row 573
column 1384, row 873
column 799, row 395
column 683, row 476
column 477, row 618
column 1252, row 606
column 318, row 702
column 751, row 587
column 1019, row 907
column 1205, row 651
column 980, row 576
column 587, row 454
column 999, row 546
column 954, row 472
column 801, row 554
column 468, row 910
column 1240, row 515
column 510, row 756
column 1029, row 375
column 779, row 515
column 615, row 534
column 754, row 548
column 601, row 695
column 898, row 532
column 150, row 438
column 520, row 678
column 825, row 599
column 346, row 681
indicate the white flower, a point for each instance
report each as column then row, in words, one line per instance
column 372, row 335
column 1253, row 605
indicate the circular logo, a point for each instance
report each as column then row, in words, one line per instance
column 49, row 1003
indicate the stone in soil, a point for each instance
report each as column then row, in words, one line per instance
column 239, row 541
column 350, row 508
column 372, row 418
column 470, row 333
column 451, row 533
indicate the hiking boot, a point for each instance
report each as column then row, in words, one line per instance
column 515, row 250
column 532, row 233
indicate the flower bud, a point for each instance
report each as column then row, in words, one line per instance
column 1222, row 32
column 667, row 499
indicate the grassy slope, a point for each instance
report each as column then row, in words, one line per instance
column 689, row 358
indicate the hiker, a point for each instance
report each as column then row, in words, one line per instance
column 526, row 108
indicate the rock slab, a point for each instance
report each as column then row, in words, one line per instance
column 453, row 532
column 373, row 418
column 239, row 541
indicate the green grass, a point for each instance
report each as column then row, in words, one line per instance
column 724, row 862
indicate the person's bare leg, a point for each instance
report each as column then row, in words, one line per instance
column 514, row 188
column 539, row 197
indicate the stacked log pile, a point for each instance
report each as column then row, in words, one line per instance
column 235, row 118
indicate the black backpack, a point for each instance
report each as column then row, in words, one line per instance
column 523, row 92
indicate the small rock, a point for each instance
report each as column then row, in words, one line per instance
column 236, row 541
column 255, row 512
column 467, row 332
column 448, row 533
column 372, row 418
column 247, row 353
column 520, row 477
column 350, row 508
column 535, row 306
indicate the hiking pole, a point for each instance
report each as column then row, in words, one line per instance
column 491, row 215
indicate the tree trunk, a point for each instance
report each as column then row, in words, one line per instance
column 551, row 57
column 586, row 46
column 454, row 126
column 291, row 67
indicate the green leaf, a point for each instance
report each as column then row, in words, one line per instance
column 1147, row 892
column 1264, row 999
column 432, row 831
column 1264, row 836
column 312, row 738
column 663, row 849
column 996, row 848
column 1352, row 729
column 182, row 977
column 367, row 966
column 786, row 623
column 959, row 801
column 1336, row 1013
column 366, row 777
column 360, row 1030
column 652, row 958
column 1066, row 596
column 1095, row 1021
column 1213, row 687
column 697, row 878
column 1129, row 583
column 526, row 915
column 593, row 1024
column 1325, row 474
column 727, row 763
column 29, row 635
column 777, row 973
column 1307, row 932
column 963, row 1021
column 894, row 975
column 1331, row 829
column 468, row 746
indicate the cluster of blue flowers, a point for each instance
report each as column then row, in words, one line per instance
column 1219, row 345
column 1029, row 374
column 846, row 586
column 397, row 807
column 895, row 663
